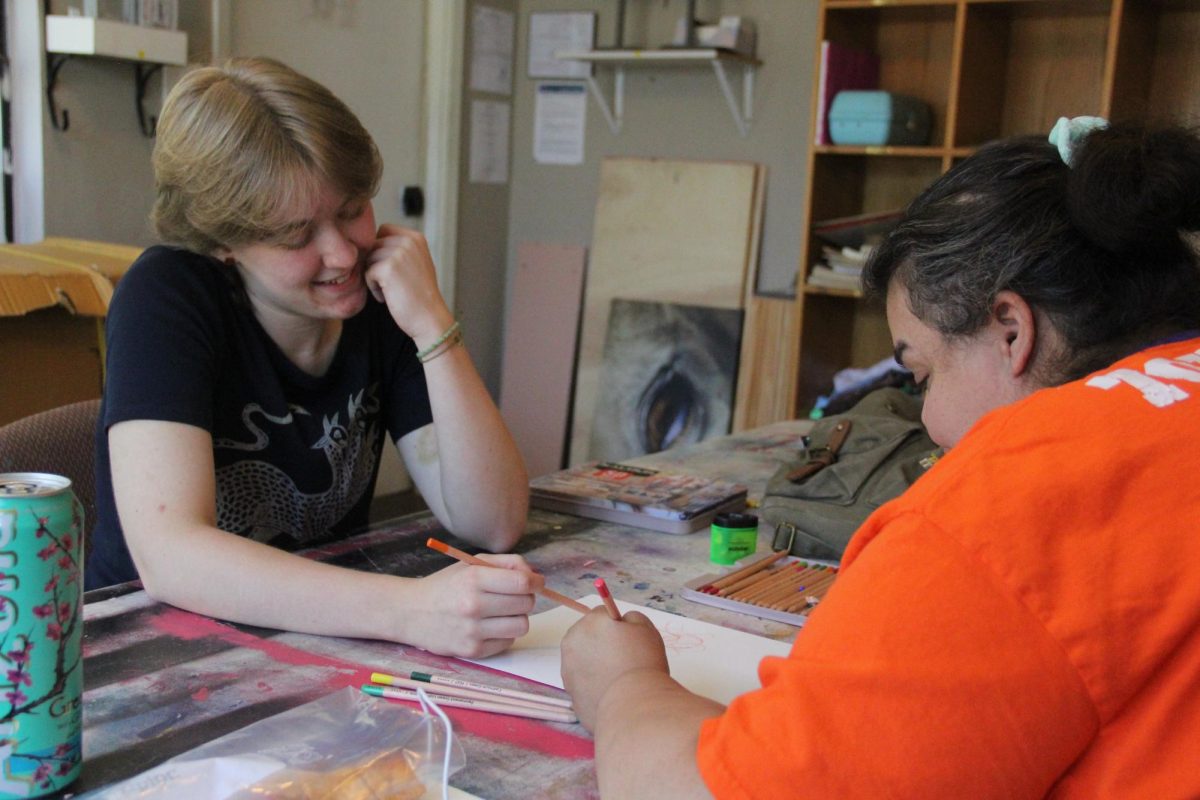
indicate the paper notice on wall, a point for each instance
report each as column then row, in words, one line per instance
column 491, row 50
column 560, row 116
column 552, row 32
column 489, row 141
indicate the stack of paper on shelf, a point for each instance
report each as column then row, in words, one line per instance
column 848, row 245
column 840, row 268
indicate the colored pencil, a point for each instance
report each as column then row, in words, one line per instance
column 756, row 583
column 548, row 714
column 769, row 584
column 470, row 694
column 441, row 680
column 816, row 591
column 747, row 583
column 790, row 587
column 607, row 597
column 749, row 569
column 798, row 574
column 467, row 558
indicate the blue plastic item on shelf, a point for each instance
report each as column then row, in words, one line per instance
column 860, row 117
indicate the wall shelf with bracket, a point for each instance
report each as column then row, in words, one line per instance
column 721, row 61
column 147, row 48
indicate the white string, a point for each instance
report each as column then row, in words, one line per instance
column 428, row 706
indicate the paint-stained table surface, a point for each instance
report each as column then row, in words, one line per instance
column 160, row 681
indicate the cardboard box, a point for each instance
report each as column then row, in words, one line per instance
column 53, row 299
column 733, row 33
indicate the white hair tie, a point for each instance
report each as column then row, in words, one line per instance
column 1068, row 134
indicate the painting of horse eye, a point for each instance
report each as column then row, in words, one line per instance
column 666, row 379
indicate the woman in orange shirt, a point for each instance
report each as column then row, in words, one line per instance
column 1025, row 620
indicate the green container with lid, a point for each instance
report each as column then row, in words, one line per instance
column 734, row 536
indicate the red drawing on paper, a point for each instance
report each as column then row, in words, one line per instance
column 678, row 640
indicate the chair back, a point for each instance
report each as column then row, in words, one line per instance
column 61, row 441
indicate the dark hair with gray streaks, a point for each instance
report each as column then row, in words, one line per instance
column 1101, row 248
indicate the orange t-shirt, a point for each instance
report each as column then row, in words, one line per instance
column 1023, row 622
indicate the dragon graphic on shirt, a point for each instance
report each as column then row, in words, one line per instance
column 258, row 499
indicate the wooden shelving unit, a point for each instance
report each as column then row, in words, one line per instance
column 988, row 69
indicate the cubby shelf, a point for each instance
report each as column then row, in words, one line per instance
column 987, row 69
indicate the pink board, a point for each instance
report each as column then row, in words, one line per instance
column 541, row 329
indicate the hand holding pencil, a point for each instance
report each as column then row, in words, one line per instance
column 467, row 558
column 465, row 611
column 597, row 651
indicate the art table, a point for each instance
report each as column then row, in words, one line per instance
column 160, row 681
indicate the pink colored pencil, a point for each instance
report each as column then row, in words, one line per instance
column 548, row 714
column 607, row 597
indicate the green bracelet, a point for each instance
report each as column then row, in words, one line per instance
column 449, row 344
column 440, row 341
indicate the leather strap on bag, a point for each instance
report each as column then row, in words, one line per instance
column 821, row 457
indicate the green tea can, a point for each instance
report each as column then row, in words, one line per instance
column 41, row 632
column 733, row 537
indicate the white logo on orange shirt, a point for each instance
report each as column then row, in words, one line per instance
column 1156, row 392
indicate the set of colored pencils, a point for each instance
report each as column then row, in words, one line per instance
column 792, row 587
column 459, row 693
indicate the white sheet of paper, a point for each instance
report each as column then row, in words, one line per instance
column 492, row 50
column 489, row 142
column 550, row 32
column 559, row 121
column 718, row 663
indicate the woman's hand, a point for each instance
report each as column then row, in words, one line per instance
column 400, row 273
column 598, row 651
column 470, row 611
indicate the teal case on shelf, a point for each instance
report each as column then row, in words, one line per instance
column 878, row 118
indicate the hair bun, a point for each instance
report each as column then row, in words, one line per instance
column 1133, row 189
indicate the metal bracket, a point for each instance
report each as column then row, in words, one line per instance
column 141, row 76
column 53, row 64
column 742, row 112
column 60, row 119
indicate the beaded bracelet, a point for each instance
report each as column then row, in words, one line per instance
column 449, row 344
column 450, row 335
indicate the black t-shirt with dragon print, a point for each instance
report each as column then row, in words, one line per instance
column 296, row 455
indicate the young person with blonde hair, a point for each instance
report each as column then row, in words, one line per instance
column 1024, row 621
column 260, row 361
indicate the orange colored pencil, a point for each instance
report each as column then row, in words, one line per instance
column 817, row 590
column 784, row 577
column 751, row 579
column 801, row 582
column 467, row 558
column 749, row 569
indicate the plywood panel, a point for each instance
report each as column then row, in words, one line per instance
column 767, row 370
column 539, row 350
column 670, row 231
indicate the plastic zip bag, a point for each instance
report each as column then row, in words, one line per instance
column 345, row 745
